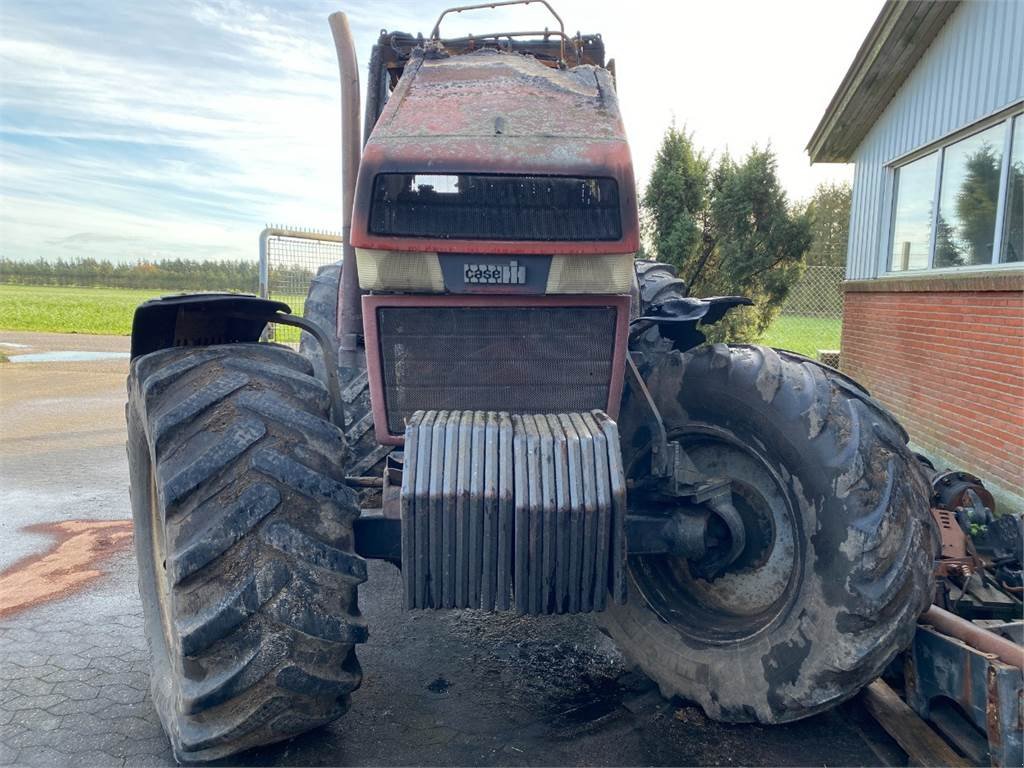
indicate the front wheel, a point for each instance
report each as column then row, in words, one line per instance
column 837, row 563
column 243, row 534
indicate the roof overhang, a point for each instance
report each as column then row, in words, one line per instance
column 899, row 37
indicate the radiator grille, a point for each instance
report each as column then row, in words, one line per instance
column 515, row 359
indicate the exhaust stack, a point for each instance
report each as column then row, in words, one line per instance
column 350, row 321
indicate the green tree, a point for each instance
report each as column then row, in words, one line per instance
column 967, row 236
column 675, row 203
column 829, row 211
column 976, row 203
column 166, row 274
column 947, row 251
column 728, row 228
column 1013, row 236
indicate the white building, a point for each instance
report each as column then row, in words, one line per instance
column 932, row 114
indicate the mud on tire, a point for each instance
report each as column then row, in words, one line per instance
column 243, row 533
column 856, row 570
column 366, row 455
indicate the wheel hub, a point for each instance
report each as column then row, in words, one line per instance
column 744, row 574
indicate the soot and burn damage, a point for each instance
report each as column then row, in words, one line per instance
column 501, row 114
column 461, row 96
column 666, row 317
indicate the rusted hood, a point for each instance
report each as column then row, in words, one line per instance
column 507, row 113
column 492, row 93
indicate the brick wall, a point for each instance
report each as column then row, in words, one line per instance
column 947, row 356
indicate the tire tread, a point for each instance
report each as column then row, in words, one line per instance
column 880, row 501
column 258, row 524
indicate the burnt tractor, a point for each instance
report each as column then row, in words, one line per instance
column 494, row 395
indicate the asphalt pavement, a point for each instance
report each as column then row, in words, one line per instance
column 440, row 688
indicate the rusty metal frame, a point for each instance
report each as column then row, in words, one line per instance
column 988, row 642
column 619, row 302
column 435, row 34
column 987, row 690
column 395, row 49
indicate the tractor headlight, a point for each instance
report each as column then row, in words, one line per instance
column 399, row 271
column 591, row 274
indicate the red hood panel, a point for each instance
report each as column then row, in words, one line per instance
column 491, row 112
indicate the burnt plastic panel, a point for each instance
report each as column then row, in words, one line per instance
column 199, row 319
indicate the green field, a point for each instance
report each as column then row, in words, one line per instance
column 89, row 310
column 109, row 311
column 803, row 334
column 70, row 310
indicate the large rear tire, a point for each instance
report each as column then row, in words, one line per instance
column 243, row 534
column 366, row 456
column 840, row 544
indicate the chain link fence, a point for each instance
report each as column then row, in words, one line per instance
column 811, row 319
column 289, row 260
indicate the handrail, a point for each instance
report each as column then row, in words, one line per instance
column 436, row 32
column 545, row 33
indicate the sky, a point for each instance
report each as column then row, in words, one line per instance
column 137, row 129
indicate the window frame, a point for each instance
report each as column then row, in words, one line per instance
column 1004, row 116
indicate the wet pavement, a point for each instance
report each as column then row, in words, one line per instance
column 444, row 688
column 67, row 356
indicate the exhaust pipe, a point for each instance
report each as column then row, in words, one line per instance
column 350, row 319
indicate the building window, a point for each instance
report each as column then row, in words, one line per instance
column 965, row 231
column 1013, row 228
column 961, row 205
column 912, row 217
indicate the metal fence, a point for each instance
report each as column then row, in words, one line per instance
column 811, row 319
column 289, row 259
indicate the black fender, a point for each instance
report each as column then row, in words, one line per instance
column 678, row 317
column 199, row 319
column 202, row 319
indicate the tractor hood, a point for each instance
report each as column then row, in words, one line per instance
column 499, row 114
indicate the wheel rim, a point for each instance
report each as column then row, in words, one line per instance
column 756, row 590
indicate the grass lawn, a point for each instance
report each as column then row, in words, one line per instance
column 70, row 310
column 105, row 311
column 803, row 334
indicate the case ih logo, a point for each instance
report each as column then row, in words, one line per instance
column 495, row 274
